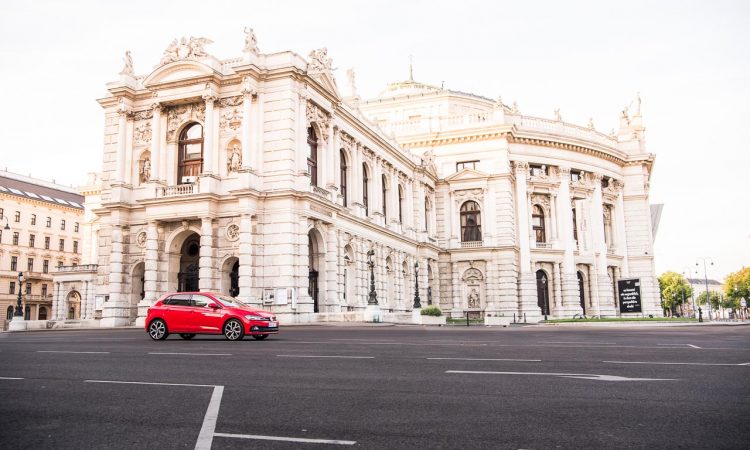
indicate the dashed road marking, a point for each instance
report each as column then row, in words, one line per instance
column 285, row 439
column 675, row 345
column 582, row 376
column 657, row 363
column 70, row 351
column 486, row 359
column 190, row 354
column 11, row 378
column 326, row 356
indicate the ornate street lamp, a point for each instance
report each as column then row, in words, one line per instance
column 417, row 303
column 705, row 277
column 373, row 297
column 7, row 225
column 19, row 310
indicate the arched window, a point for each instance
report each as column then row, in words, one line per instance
column 400, row 204
column 365, row 181
column 607, row 210
column 471, row 226
column 542, row 292
column 312, row 158
column 42, row 313
column 426, row 214
column 9, row 314
column 575, row 226
column 342, row 157
column 384, row 186
column 537, row 222
column 190, row 153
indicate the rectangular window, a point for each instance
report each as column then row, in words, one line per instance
column 46, row 242
column 75, row 246
column 45, row 266
column 1, row 236
column 18, row 216
column 30, row 264
column 28, row 288
column 461, row 165
column 12, row 287
column 536, row 170
column 61, row 247
column 32, row 238
column 49, row 222
column 14, row 263
column 2, row 212
column 44, row 290
column 575, row 175
column 59, row 264
column 76, row 227
column 15, row 238
column 62, row 224
column 33, row 219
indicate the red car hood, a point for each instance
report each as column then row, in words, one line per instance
column 257, row 312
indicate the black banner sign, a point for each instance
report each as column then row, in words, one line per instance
column 630, row 295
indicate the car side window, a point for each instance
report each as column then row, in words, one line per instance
column 201, row 301
column 178, row 300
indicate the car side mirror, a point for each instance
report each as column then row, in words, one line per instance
column 214, row 306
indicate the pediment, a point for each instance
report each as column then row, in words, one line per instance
column 466, row 175
column 326, row 80
column 178, row 71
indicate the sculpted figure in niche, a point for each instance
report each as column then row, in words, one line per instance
column 146, row 170
column 234, row 162
column 473, row 299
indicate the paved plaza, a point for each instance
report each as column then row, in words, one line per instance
column 379, row 387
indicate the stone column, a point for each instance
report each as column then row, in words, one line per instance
column 89, row 300
column 247, row 125
column 553, row 218
column 622, row 244
column 603, row 283
column 409, row 203
column 246, row 260
column 329, row 162
column 336, row 157
column 569, row 279
column 526, row 280
column 258, row 134
column 116, row 313
column 55, row 301
column 332, row 300
column 557, row 287
column 208, row 136
column 300, row 147
column 156, row 142
column 122, row 126
column 150, row 272
column 205, row 261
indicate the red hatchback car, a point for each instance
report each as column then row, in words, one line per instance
column 191, row 313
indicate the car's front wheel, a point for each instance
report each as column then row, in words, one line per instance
column 158, row 330
column 187, row 336
column 260, row 337
column 233, row 330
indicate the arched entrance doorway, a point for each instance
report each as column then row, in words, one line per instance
column 42, row 313
column 316, row 261
column 74, row 305
column 187, row 278
column 137, row 291
column 430, row 283
column 230, row 277
column 581, row 292
column 542, row 292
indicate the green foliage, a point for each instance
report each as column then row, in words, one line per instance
column 432, row 311
column 714, row 297
column 737, row 287
column 674, row 289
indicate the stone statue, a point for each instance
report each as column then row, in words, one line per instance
column 474, row 299
column 352, row 82
column 514, row 109
column 234, row 162
column 185, row 49
column 591, row 123
column 146, row 170
column 251, row 43
column 319, row 61
column 558, row 116
column 637, row 112
column 127, row 69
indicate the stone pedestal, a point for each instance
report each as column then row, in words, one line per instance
column 17, row 324
column 373, row 313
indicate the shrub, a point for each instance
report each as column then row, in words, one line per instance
column 432, row 311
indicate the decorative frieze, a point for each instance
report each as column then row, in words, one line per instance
column 317, row 115
column 142, row 133
column 191, row 48
column 177, row 115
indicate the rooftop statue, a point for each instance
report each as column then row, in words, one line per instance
column 127, row 69
column 185, row 49
column 251, row 43
column 319, row 61
column 350, row 75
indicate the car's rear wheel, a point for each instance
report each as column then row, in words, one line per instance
column 187, row 336
column 157, row 329
column 233, row 330
column 260, row 337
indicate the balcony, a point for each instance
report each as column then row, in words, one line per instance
column 177, row 191
column 543, row 245
column 472, row 244
column 81, row 268
column 320, row 192
column 36, row 298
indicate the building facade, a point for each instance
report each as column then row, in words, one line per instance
column 256, row 177
column 40, row 230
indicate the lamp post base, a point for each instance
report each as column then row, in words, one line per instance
column 373, row 314
column 17, row 324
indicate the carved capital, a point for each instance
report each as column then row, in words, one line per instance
column 157, row 107
column 564, row 171
column 520, row 166
column 209, row 98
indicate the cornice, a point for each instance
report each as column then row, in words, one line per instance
column 578, row 148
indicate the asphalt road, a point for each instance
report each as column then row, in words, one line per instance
column 379, row 387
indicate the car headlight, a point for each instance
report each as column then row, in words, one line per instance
column 254, row 317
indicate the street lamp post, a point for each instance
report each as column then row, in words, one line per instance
column 417, row 302
column 692, row 292
column 545, row 297
column 19, row 309
column 373, row 297
column 705, row 278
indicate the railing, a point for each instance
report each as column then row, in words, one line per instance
column 543, row 245
column 321, row 192
column 562, row 128
column 37, row 298
column 81, row 268
column 176, row 191
column 472, row 244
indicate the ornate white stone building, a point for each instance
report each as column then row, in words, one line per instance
column 256, row 177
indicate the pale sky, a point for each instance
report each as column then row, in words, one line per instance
column 690, row 60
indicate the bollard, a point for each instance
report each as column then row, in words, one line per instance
column 467, row 318
column 514, row 317
column 700, row 314
column 524, row 317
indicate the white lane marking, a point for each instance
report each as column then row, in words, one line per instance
column 206, row 436
column 110, row 339
column 583, row 376
column 148, row 383
column 326, row 356
column 577, row 343
column 191, row 354
column 10, row 378
column 285, row 439
column 673, row 345
column 487, row 359
column 67, row 351
column 656, row 363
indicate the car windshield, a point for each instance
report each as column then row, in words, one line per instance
column 229, row 301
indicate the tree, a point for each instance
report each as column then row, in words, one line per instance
column 737, row 286
column 714, row 297
column 674, row 290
